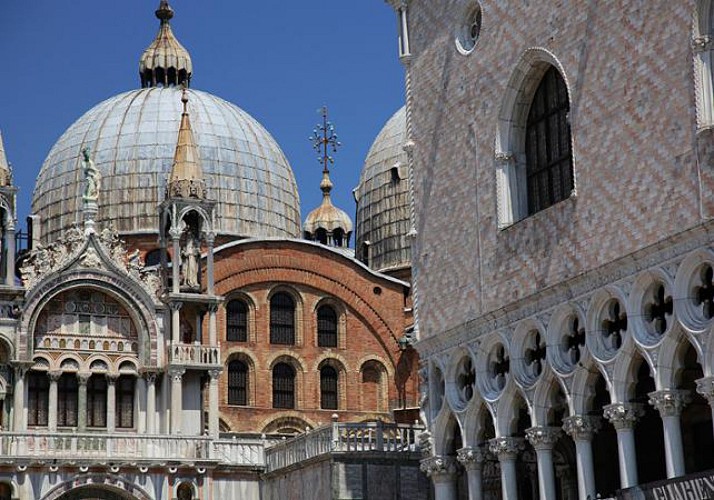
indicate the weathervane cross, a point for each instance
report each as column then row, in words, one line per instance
column 324, row 140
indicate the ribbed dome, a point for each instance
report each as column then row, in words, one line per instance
column 383, row 200
column 132, row 138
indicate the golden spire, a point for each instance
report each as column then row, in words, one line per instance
column 165, row 62
column 186, row 180
column 5, row 170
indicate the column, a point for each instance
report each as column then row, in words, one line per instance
column 150, row 402
column 82, row 378
column 210, row 279
column 111, row 401
column 442, row 471
column 54, row 377
column 19, row 420
column 175, row 323
column 212, row 334
column 176, row 257
column 472, row 460
column 213, row 403
column 176, row 375
column 507, row 449
column 543, row 440
column 582, row 428
column 705, row 387
column 10, row 246
column 623, row 417
column 669, row 403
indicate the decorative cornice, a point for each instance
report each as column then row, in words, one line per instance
column 669, row 403
column 574, row 289
column 543, row 438
column 506, row 448
column 439, row 468
column 623, row 415
column 582, row 427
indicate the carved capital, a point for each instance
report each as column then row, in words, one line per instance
column 54, row 375
column 212, row 308
column 214, row 374
column 701, row 43
column 470, row 458
column 506, row 448
column 175, row 306
column 21, row 368
column 150, row 376
column 623, row 415
column 83, row 377
column 705, row 387
column 543, row 438
column 439, row 468
column 111, row 378
column 581, row 427
column 669, row 403
column 504, row 156
column 176, row 373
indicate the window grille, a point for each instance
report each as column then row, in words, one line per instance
column 237, row 383
column 97, row 401
column 124, row 414
column 328, row 388
column 326, row 327
column 282, row 319
column 38, row 392
column 283, row 386
column 549, row 159
column 67, row 396
column 237, row 321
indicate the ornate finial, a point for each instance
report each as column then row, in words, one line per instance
column 165, row 62
column 186, row 179
column 164, row 12
column 323, row 139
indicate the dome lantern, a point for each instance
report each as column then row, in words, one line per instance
column 327, row 224
column 165, row 62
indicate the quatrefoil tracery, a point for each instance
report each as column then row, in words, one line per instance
column 574, row 342
column 499, row 366
column 614, row 325
column 659, row 309
column 466, row 380
column 535, row 355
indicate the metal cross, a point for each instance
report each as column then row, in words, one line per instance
column 324, row 140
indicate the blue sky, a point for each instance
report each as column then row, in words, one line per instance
column 278, row 60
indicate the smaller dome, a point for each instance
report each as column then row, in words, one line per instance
column 327, row 223
column 165, row 62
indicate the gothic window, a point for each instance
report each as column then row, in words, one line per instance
column 125, row 402
column 326, row 327
column 549, row 162
column 97, row 401
column 282, row 319
column 237, row 321
column 328, row 388
column 38, row 392
column 283, row 386
column 67, row 396
column 237, row 383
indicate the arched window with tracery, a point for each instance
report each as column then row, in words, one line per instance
column 97, row 401
column 282, row 319
column 237, row 321
column 549, row 160
column 38, row 393
column 238, row 383
column 67, row 400
column 283, row 386
column 329, row 394
column 326, row 326
column 124, row 415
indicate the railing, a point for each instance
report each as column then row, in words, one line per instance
column 194, row 354
column 30, row 446
column 342, row 438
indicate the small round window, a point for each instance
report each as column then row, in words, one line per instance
column 469, row 31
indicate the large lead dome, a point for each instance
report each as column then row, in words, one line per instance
column 132, row 138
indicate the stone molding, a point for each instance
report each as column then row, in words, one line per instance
column 470, row 458
column 623, row 415
column 582, row 427
column 439, row 468
column 543, row 438
column 669, row 403
column 506, row 448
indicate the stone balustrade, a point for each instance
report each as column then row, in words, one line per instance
column 194, row 355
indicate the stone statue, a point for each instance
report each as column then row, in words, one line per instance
column 92, row 176
column 190, row 264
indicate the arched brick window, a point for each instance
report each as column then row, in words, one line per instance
column 97, row 401
column 237, row 383
column 237, row 321
column 124, row 412
column 38, row 392
column 549, row 159
column 282, row 319
column 283, row 386
column 67, row 397
column 373, row 386
column 326, row 326
column 328, row 388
